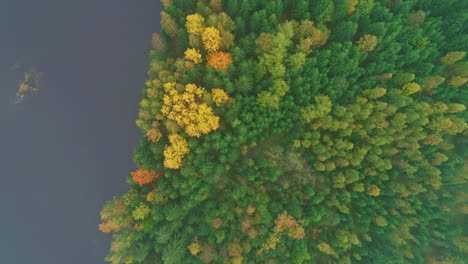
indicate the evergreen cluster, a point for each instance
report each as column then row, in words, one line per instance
column 300, row 131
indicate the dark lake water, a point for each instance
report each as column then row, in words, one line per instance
column 67, row 149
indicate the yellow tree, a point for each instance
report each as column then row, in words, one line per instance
column 174, row 152
column 193, row 55
column 184, row 108
column 194, row 24
column 211, row 39
column 219, row 96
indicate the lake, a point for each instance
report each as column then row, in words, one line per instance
column 67, row 149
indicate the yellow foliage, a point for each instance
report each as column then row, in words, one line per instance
column 150, row 196
column 195, row 248
column 284, row 222
column 153, row 134
column 411, row 88
column 252, row 233
column 237, row 260
column 138, row 226
column 30, row 83
column 455, row 108
column 211, row 39
column 166, row 2
column 140, row 212
column 373, row 190
column 193, row 55
column 325, row 248
column 184, row 108
column 385, row 77
column 234, row 249
column 174, row 152
column 380, row 221
column 219, row 96
column 453, row 57
column 352, row 5
column 270, row 243
column 194, row 24
column 109, row 226
column 250, row 209
column 457, row 81
column 291, row 225
column 367, row 43
column 297, row 232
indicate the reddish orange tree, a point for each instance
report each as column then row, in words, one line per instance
column 219, row 60
column 142, row 176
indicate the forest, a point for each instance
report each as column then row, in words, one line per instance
column 300, row 131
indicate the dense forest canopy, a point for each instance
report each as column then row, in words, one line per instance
column 300, row 131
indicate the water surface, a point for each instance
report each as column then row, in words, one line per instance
column 67, row 149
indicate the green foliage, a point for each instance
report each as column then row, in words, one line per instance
column 350, row 116
column 174, row 251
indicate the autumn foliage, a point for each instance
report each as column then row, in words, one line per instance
column 143, row 176
column 211, row 39
column 109, row 226
column 174, row 152
column 300, row 131
column 185, row 108
column 219, row 96
column 219, row 60
column 194, row 24
column 193, row 55
column 285, row 222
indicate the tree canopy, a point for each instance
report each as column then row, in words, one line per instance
column 308, row 131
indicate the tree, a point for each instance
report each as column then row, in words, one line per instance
column 431, row 82
column 373, row 190
column 193, row 55
column 376, row 92
column 352, row 5
column 364, row 7
column 143, row 176
column 216, row 5
column 411, row 88
column 109, row 226
column 453, row 57
column 219, row 60
column 195, row 24
column 295, row 133
column 195, row 248
column 457, row 81
column 174, row 152
column 166, row 2
column 416, row 18
column 169, row 25
column 403, row 78
column 184, row 108
column 367, row 43
column 141, row 211
column 268, row 99
column 211, row 39
column 157, row 42
column 455, row 108
column 219, row 96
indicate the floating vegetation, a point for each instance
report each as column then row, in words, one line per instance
column 28, row 85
